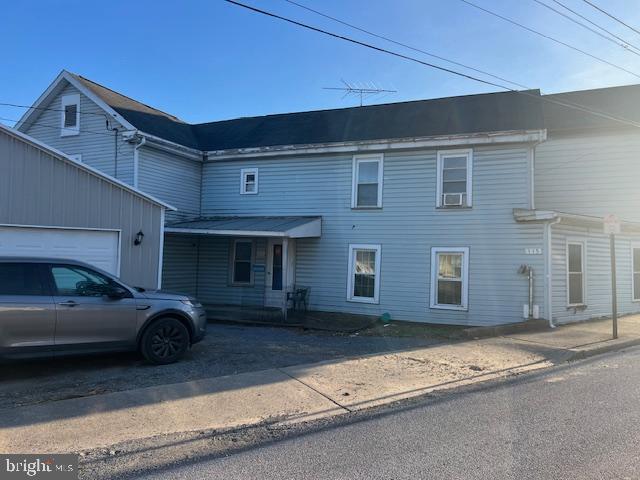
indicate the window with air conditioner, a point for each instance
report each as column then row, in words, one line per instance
column 70, row 111
column 454, row 179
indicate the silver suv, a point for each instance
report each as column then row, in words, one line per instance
column 51, row 306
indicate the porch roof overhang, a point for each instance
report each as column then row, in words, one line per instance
column 589, row 221
column 284, row 227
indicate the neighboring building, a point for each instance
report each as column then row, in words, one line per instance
column 425, row 210
column 53, row 206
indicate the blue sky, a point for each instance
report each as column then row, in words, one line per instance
column 209, row 60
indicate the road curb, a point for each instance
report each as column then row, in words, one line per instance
column 599, row 349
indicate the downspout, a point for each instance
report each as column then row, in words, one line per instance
column 136, row 159
column 549, row 270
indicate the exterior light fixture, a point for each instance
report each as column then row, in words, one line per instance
column 139, row 237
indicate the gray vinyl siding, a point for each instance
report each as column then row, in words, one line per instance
column 95, row 143
column 39, row 189
column 171, row 178
column 597, row 274
column 201, row 266
column 593, row 174
column 406, row 227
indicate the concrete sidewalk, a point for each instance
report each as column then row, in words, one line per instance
column 296, row 394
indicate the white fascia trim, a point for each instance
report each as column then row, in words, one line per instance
column 166, row 145
column 83, row 166
column 516, row 136
column 64, row 75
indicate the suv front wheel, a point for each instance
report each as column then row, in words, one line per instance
column 164, row 341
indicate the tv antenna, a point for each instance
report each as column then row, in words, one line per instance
column 359, row 89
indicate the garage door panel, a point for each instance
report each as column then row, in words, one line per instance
column 95, row 247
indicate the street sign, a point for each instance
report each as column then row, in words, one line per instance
column 611, row 224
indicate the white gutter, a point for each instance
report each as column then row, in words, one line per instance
column 516, row 136
column 136, row 160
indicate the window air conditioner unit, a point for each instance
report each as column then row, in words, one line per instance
column 453, row 199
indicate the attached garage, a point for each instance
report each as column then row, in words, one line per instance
column 53, row 206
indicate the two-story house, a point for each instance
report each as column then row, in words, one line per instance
column 476, row 210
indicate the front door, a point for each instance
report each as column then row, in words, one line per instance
column 85, row 317
column 274, row 291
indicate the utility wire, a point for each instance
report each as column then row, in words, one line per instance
column 611, row 16
column 56, row 127
column 421, row 62
column 415, row 49
column 606, row 37
column 31, row 107
column 625, row 42
column 506, row 19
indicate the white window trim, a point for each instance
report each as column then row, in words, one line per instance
column 73, row 99
column 435, row 251
column 77, row 157
column 357, row 159
column 442, row 154
column 583, row 245
column 243, row 184
column 353, row 247
column 634, row 246
column 232, row 263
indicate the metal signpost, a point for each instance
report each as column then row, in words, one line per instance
column 612, row 228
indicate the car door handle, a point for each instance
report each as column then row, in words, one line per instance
column 68, row 303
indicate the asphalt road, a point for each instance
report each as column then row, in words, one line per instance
column 578, row 421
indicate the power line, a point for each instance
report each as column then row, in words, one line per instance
column 415, row 49
column 625, row 42
column 624, row 46
column 611, row 16
column 55, row 127
column 31, row 107
column 421, row 62
column 506, row 19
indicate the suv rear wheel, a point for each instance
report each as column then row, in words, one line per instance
column 164, row 341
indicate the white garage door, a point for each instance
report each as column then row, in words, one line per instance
column 95, row 247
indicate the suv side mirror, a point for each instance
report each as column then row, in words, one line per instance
column 116, row 293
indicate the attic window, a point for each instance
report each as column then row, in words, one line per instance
column 70, row 115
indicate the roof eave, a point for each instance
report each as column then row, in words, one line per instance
column 52, row 89
column 484, row 138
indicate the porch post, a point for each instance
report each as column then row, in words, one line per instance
column 285, row 275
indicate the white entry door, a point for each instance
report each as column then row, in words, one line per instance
column 99, row 248
column 274, row 284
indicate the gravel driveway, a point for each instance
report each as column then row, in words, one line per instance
column 226, row 350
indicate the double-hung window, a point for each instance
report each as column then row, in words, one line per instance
column 635, row 252
column 454, row 178
column 242, row 262
column 70, row 121
column 575, row 274
column 249, row 181
column 363, row 284
column 367, row 181
column 449, row 278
